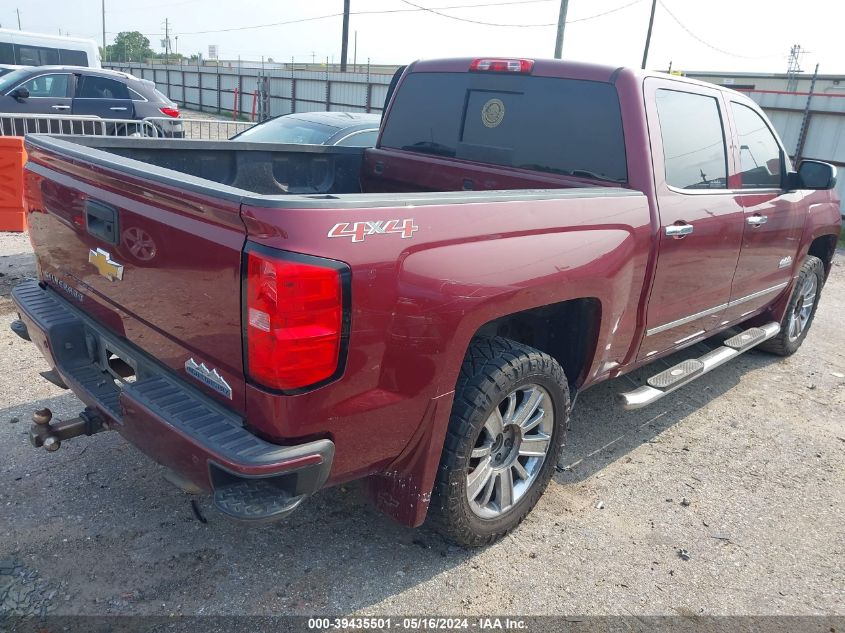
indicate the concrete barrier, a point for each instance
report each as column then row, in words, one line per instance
column 12, row 159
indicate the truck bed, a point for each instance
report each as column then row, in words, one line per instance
column 255, row 167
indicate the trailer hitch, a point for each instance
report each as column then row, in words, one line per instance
column 44, row 432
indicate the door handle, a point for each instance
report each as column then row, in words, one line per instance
column 679, row 230
column 119, row 108
column 757, row 220
column 61, row 107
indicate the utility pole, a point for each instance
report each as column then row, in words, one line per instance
column 648, row 35
column 166, row 38
column 103, row 5
column 355, row 53
column 19, row 18
column 561, row 24
column 344, row 45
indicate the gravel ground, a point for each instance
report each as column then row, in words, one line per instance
column 724, row 498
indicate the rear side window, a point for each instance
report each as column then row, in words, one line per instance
column 562, row 126
column 73, row 58
column 93, row 87
column 759, row 152
column 366, row 138
column 693, row 140
column 37, row 55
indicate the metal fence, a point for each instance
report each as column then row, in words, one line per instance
column 167, row 127
column 236, row 91
column 23, row 124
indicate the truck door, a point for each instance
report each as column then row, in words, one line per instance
column 774, row 218
column 104, row 97
column 701, row 220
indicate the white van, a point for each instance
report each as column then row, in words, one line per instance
column 40, row 49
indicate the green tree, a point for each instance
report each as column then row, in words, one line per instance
column 129, row 46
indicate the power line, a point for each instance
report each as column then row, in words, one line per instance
column 417, row 8
column 381, row 12
column 568, row 21
column 471, row 21
column 604, row 13
column 708, row 44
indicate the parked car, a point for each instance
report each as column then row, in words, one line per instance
column 5, row 69
column 74, row 91
column 420, row 314
column 350, row 129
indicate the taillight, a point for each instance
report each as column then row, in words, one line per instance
column 502, row 65
column 171, row 112
column 294, row 316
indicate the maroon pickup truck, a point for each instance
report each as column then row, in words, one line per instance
column 269, row 320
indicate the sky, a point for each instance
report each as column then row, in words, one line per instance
column 721, row 35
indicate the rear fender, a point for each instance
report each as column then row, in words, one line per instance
column 448, row 292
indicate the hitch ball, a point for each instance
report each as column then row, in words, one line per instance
column 42, row 416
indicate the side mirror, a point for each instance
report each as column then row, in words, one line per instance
column 20, row 93
column 814, row 174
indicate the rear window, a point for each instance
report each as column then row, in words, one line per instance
column 288, row 129
column 563, row 126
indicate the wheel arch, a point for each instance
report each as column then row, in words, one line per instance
column 824, row 247
column 567, row 331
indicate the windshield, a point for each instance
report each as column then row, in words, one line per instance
column 12, row 79
column 287, row 129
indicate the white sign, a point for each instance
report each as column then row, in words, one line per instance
column 212, row 51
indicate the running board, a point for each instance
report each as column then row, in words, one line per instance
column 685, row 372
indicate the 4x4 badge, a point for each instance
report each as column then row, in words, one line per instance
column 105, row 265
column 359, row 230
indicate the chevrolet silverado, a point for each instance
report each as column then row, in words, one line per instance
column 267, row 320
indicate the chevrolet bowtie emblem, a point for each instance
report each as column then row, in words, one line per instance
column 108, row 268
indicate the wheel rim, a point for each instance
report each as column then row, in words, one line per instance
column 139, row 243
column 803, row 309
column 510, row 451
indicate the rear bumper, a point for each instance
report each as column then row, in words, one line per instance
column 161, row 414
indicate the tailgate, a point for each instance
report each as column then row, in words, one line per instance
column 152, row 255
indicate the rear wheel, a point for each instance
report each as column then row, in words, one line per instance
column 801, row 310
column 505, row 436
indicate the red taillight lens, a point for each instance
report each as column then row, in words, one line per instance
column 502, row 65
column 171, row 112
column 294, row 321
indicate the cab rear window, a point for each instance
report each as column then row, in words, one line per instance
column 563, row 126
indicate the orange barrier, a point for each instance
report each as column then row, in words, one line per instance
column 12, row 159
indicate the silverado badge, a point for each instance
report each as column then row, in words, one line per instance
column 209, row 377
column 105, row 265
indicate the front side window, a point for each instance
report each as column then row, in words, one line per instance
column 694, row 151
column 759, row 152
column 7, row 53
column 55, row 86
column 93, row 87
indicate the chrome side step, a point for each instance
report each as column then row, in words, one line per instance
column 686, row 371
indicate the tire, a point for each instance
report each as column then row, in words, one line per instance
column 499, row 375
column 798, row 317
